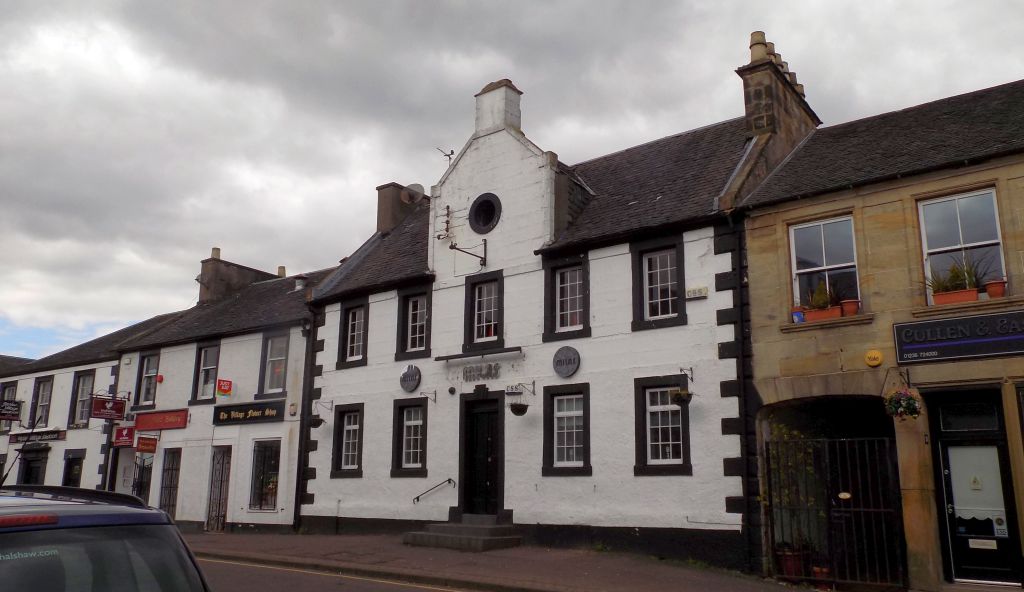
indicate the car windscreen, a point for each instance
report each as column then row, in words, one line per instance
column 98, row 559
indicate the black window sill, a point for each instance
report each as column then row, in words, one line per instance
column 586, row 471
column 563, row 335
column 404, row 473
column 210, row 401
column 480, row 353
column 412, row 355
column 347, row 474
column 498, row 343
column 266, row 396
column 342, row 364
column 143, row 407
column 661, row 470
column 641, row 325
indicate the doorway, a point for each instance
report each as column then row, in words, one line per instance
column 220, row 473
column 482, row 455
column 73, row 462
column 33, row 467
column 143, row 476
column 974, row 487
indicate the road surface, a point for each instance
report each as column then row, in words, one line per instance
column 233, row 576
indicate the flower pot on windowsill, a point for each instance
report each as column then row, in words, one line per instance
column 995, row 288
column 850, row 307
column 821, row 314
column 955, row 296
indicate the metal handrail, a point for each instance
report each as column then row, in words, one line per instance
column 416, row 499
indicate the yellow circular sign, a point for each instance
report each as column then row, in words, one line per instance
column 873, row 358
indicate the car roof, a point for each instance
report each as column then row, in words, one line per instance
column 72, row 508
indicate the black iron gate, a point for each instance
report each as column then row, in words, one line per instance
column 220, row 471
column 834, row 511
column 143, row 476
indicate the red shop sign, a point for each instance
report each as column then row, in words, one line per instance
column 161, row 420
column 146, row 444
column 107, row 408
column 123, row 437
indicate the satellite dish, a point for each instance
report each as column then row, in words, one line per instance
column 412, row 193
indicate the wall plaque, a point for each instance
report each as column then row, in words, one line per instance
column 38, row 436
column 248, row 413
column 410, row 379
column 481, row 372
column 161, row 420
column 978, row 336
column 566, row 361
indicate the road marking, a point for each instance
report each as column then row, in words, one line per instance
column 331, row 575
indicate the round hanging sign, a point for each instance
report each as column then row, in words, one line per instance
column 410, row 379
column 566, row 361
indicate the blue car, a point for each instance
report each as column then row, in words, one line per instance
column 64, row 539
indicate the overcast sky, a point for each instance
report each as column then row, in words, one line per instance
column 134, row 136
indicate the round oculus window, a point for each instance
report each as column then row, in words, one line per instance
column 484, row 213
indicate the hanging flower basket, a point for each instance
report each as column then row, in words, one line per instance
column 903, row 403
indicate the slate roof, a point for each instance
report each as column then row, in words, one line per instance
column 8, row 363
column 671, row 180
column 97, row 350
column 945, row 133
column 262, row 304
column 384, row 261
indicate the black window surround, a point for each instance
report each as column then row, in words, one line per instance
column 551, row 269
column 472, row 281
column 484, row 213
column 346, row 308
column 262, row 394
column 5, row 426
column 74, row 458
column 138, row 380
column 197, row 373
column 36, row 386
column 637, row 250
column 397, row 435
column 340, row 411
column 402, row 339
column 548, row 468
column 640, row 386
column 73, row 407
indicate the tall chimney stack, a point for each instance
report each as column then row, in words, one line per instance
column 394, row 203
column 219, row 278
column 773, row 99
column 497, row 106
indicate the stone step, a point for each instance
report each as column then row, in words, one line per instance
column 460, row 542
column 475, row 530
column 479, row 519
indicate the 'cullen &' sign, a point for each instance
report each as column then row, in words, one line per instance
column 979, row 336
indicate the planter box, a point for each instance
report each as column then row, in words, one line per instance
column 821, row 314
column 968, row 295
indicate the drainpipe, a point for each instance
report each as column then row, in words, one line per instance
column 305, row 409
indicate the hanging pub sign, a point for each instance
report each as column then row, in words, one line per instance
column 224, row 387
column 38, row 436
column 123, row 437
column 978, row 336
column 146, row 444
column 248, row 413
column 566, row 361
column 410, row 379
column 10, row 410
column 107, row 408
column 161, row 420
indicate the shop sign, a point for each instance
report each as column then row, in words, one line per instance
column 481, row 372
column 566, row 361
column 161, row 420
column 224, row 387
column 107, row 408
column 248, row 413
column 978, row 336
column 10, row 410
column 410, row 379
column 146, row 444
column 123, row 437
column 38, row 436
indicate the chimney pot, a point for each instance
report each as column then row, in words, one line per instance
column 215, row 253
column 758, row 47
column 792, row 78
column 281, row 271
column 800, row 89
column 785, row 67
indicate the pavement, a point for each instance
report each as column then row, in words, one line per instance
column 520, row 569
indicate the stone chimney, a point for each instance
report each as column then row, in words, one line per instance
column 219, row 278
column 394, row 203
column 773, row 99
column 497, row 106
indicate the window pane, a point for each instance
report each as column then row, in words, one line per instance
column 806, row 284
column 941, row 263
column 940, row 224
column 807, row 246
column 838, row 242
column 977, row 218
column 843, row 282
column 275, row 374
column 277, row 347
column 990, row 264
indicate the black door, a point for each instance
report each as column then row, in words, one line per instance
column 72, row 472
column 976, row 498
column 220, row 472
column 143, row 476
column 33, row 469
column 482, row 457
